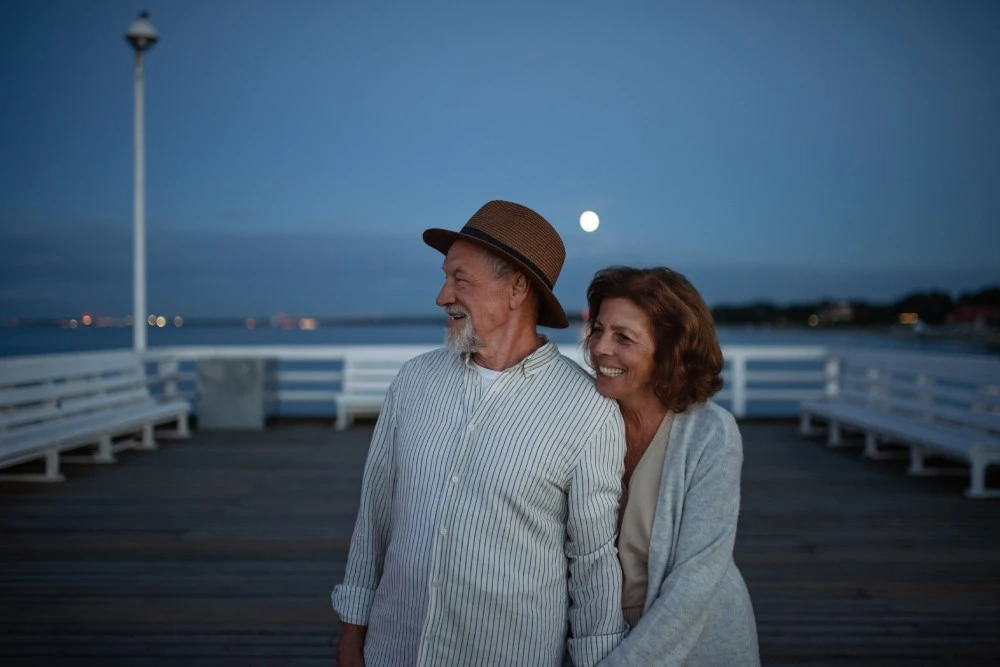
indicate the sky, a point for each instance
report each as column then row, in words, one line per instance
column 779, row 150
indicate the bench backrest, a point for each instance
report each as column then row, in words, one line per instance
column 370, row 372
column 38, row 391
column 953, row 389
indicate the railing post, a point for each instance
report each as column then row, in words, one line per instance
column 832, row 369
column 166, row 371
column 739, row 389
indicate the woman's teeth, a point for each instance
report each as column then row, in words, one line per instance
column 612, row 372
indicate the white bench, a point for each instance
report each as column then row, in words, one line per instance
column 53, row 403
column 938, row 405
column 365, row 380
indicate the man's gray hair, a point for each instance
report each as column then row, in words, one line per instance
column 502, row 268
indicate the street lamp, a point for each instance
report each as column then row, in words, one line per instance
column 141, row 35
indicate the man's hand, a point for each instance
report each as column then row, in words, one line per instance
column 351, row 651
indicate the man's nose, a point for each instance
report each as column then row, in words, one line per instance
column 446, row 296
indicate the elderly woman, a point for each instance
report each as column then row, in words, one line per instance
column 653, row 347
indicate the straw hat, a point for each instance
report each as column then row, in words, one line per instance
column 523, row 238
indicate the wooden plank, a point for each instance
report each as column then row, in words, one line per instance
column 222, row 550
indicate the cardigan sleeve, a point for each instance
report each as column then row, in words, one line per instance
column 671, row 626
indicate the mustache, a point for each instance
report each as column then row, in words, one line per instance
column 455, row 311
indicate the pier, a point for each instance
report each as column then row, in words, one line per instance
column 222, row 550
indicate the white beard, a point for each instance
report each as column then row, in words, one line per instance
column 463, row 341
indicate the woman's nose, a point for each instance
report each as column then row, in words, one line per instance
column 598, row 345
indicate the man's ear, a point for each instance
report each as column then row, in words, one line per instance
column 519, row 290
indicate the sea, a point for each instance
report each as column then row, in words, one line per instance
column 16, row 341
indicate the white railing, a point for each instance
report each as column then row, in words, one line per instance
column 760, row 380
column 302, row 380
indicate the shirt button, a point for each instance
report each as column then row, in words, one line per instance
column 472, row 427
column 454, row 479
column 443, row 531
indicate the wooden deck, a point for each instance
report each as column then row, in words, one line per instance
column 222, row 550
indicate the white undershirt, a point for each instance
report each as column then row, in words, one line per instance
column 488, row 375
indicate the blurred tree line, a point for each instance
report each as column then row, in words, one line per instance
column 933, row 307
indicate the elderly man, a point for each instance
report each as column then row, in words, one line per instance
column 486, row 533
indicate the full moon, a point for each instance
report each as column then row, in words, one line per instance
column 589, row 221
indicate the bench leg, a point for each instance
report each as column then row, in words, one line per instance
column 833, row 434
column 873, row 452
column 916, row 461
column 183, row 426
column 344, row 418
column 148, row 441
column 871, row 445
column 182, row 432
column 344, row 421
column 51, row 473
column 977, row 479
column 805, row 424
column 104, row 452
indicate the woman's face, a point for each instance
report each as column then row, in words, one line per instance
column 621, row 350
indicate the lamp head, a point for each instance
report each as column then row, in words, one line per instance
column 141, row 34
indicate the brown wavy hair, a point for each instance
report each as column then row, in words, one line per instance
column 687, row 357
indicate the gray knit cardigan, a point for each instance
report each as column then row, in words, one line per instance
column 698, row 611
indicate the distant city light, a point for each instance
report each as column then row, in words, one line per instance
column 308, row 323
column 152, row 320
column 908, row 318
column 178, row 321
column 161, row 321
column 87, row 320
column 814, row 320
column 251, row 323
column 73, row 324
column 127, row 321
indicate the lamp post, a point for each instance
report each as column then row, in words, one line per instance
column 141, row 35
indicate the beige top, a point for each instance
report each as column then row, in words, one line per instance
column 638, row 508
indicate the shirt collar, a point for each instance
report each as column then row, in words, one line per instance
column 532, row 363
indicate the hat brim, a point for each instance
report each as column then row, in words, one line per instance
column 551, row 312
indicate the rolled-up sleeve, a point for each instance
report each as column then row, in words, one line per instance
column 353, row 598
column 595, row 580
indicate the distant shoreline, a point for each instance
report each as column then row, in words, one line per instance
column 984, row 335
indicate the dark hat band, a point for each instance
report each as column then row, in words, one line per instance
column 483, row 236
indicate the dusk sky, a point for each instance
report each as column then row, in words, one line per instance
column 782, row 150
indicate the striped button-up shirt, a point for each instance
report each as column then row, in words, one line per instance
column 486, row 532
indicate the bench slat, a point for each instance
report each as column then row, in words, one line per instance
column 12, row 397
column 926, row 411
column 105, row 401
column 952, row 393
